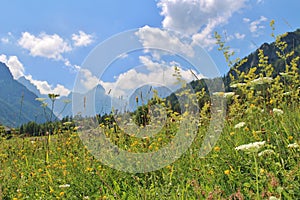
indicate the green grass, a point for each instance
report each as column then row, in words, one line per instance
column 224, row 173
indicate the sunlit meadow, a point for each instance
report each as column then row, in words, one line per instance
column 256, row 156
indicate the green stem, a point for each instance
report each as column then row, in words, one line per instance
column 256, row 173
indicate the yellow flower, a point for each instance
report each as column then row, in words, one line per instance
column 246, row 128
column 159, row 139
column 61, row 194
column 290, row 137
column 217, row 148
column 231, row 133
column 89, row 169
column 262, row 171
column 227, row 172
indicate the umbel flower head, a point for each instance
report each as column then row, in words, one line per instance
column 261, row 81
column 277, row 111
column 251, row 147
column 240, row 125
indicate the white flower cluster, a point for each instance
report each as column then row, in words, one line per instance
column 294, row 145
column 277, row 111
column 240, row 125
column 236, row 85
column 224, row 94
column 64, row 186
column 262, row 80
column 251, row 146
column 266, row 152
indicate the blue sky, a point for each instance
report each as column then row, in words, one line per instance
column 47, row 41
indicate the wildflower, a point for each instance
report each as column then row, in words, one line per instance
column 294, row 145
column 231, row 133
column 266, row 152
column 261, row 81
column 64, row 186
column 273, row 198
column 40, row 99
column 224, row 94
column 217, row 148
column 251, row 146
column 227, row 172
column 240, row 125
column 237, row 85
column 284, row 74
column 61, row 194
column 290, row 137
column 277, row 111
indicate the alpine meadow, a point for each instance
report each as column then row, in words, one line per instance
column 255, row 157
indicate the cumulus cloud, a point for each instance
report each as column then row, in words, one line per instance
column 163, row 39
column 150, row 72
column 82, row 39
column 256, row 26
column 44, row 45
column 45, row 88
column 239, row 36
column 14, row 65
column 198, row 17
column 246, row 20
column 5, row 40
column 87, row 79
column 159, row 74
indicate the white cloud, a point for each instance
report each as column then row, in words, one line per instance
column 44, row 45
column 239, row 36
column 246, row 20
column 82, row 39
column 198, row 17
column 163, row 39
column 5, row 40
column 14, row 65
column 158, row 74
column 255, row 26
column 45, row 88
column 87, row 79
column 189, row 16
column 148, row 73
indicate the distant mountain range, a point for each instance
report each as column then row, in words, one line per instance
column 63, row 105
column 17, row 103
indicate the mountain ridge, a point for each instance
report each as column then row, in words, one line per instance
column 18, row 105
